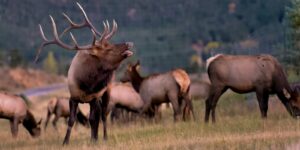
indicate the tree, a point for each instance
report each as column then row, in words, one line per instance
column 292, row 48
column 15, row 58
column 50, row 64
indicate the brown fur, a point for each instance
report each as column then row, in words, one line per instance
column 199, row 90
column 14, row 109
column 160, row 88
column 182, row 78
column 262, row 74
column 90, row 71
column 60, row 108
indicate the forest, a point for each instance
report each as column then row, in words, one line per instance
column 167, row 33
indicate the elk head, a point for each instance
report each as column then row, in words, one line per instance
column 101, row 48
column 295, row 100
column 131, row 72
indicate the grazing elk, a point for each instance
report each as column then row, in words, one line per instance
column 90, row 71
column 242, row 74
column 60, row 108
column 14, row 109
column 172, row 86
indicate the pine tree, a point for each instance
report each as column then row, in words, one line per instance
column 292, row 52
column 50, row 63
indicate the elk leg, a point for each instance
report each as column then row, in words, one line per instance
column 191, row 109
column 188, row 108
column 174, row 101
column 14, row 127
column 104, row 113
column 218, row 93
column 94, row 119
column 47, row 119
column 73, row 108
column 262, row 98
column 55, row 121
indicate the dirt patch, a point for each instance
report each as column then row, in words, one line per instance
column 17, row 79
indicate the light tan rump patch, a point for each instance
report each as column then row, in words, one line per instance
column 211, row 59
column 182, row 78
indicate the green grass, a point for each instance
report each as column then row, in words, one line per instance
column 238, row 126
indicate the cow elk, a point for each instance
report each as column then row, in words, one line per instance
column 242, row 74
column 172, row 86
column 14, row 109
column 91, row 70
column 59, row 107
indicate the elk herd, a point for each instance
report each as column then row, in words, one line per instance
column 90, row 80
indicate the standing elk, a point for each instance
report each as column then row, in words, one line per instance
column 172, row 86
column 242, row 74
column 14, row 109
column 90, row 71
column 60, row 108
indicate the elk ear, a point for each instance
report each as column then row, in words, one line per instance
column 286, row 94
column 137, row 65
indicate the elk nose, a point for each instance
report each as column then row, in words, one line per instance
column 129, row 44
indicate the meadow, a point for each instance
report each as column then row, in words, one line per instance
column 238, row 126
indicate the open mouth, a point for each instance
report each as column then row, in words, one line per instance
column 128, row 53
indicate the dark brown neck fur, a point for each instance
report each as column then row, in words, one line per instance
column 136, row 80
column 29, row 122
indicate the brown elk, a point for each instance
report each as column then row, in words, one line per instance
column 242, row 74
column 14, row 109
column 199, row 90
column 90, row 71
column 172, row 86
column 60, row 108
column 123, row 95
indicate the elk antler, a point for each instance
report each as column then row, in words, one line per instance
column 57, row 41
column 113, row 31
column 86, row 23
column 106, row 35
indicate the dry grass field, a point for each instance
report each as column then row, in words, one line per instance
column 238, row 126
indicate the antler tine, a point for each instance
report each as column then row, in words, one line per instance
column 86, row 23
column 63, row 45
column 72, row 25
column 94, row 37
column 104, row 32
column 87, row 20
column 56, row 38
column 42, row 33
column 74, row 40
column 46, row 42
column 108, row 26
column 113, row 31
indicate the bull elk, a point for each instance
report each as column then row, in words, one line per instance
column 242, row 74
column 172, row 86
column 91, row 69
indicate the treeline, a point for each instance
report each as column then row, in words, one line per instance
column 167, row 33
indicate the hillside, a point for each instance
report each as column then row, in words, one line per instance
column 165, row 32
column 19, row 79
